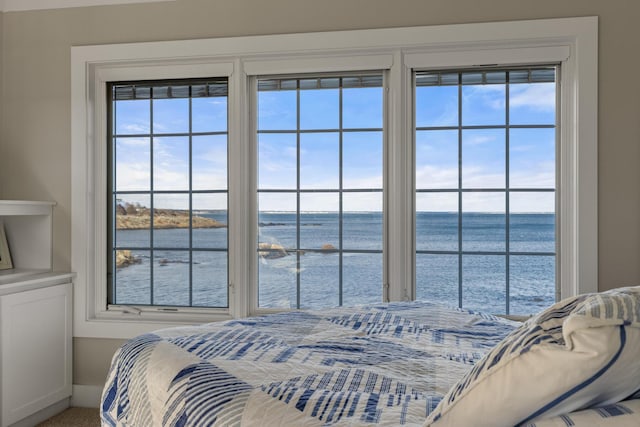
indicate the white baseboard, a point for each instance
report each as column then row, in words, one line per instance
column 86, row 396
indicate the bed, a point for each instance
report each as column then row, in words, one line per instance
column 404, row 363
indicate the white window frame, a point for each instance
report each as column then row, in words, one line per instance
column 572, row 42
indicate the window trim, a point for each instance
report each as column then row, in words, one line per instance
column 396, row 50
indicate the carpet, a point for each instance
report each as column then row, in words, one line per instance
column 74, row 417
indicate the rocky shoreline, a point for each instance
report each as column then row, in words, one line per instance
column 131, row 217
column 274, row 250
column 135, row 217
column 126, row 258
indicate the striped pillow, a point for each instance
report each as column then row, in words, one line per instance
column 580, row 352
column 622, row 414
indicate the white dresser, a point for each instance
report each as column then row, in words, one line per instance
column 35, row 319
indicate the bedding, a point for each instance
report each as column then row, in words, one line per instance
column 621, row 414
column 385, row 365
column 410, row 363
column 579, row 353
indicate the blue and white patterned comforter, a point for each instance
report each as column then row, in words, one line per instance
column 386, row 364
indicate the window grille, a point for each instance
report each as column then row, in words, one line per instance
column 321, row 212
column 168, row 191
column 486, row 187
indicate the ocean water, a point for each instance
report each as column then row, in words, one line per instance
column 472, row 267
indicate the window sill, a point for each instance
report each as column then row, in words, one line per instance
column 119, row 324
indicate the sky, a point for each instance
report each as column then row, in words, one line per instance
column 483, row 159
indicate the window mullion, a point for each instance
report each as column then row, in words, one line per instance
column 460, row 199
column 242, row 160
column 191, row 198
column 151, row 201
column 340, row 197
column 298, row 145
column 399, row 191
column 507, row 195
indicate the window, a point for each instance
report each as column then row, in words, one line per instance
column 340, row 69
column 168, row 206
column 320, row 152
column 485, row 188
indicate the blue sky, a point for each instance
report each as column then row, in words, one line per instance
column 532, row 151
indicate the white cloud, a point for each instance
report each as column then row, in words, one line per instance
column 521, row 148
column 483, row 202
column 541, row 175
column 214, row 158
column 476, row 139
column 277, row 202
column 542, row 178
column 141, row 144
column 539, row 96
column 209, row 181
column 436, row 177
column 532, row 202
column 171, row 201
column 362, row 202
column 437, row 202
column 132, row 176
column 165, row 178
column 272, row 160
column 373, row 181
column 491, row 96
column 448, row 115
column 217, row 201
column 478, row 177
column 217, row 101
column 135, row 128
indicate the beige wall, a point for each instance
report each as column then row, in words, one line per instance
column 35, row 135
column 2, row 155
column 91, row 359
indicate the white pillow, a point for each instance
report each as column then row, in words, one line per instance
column 581, row 352
column 622, row 414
